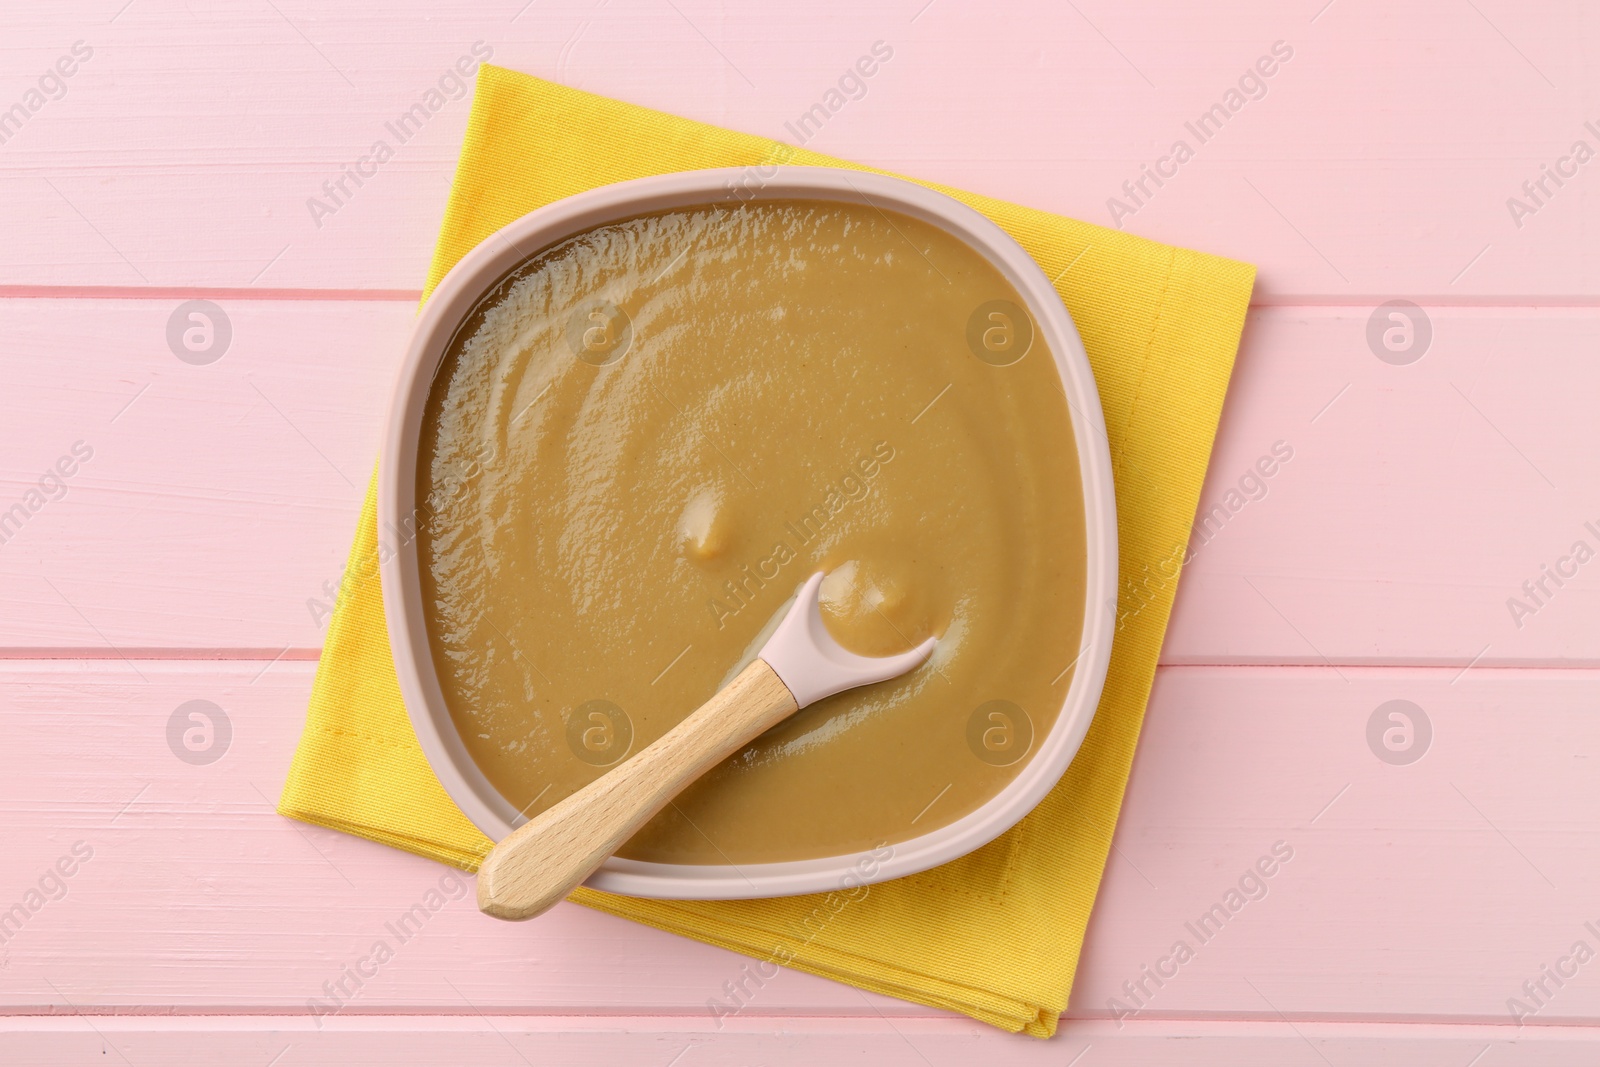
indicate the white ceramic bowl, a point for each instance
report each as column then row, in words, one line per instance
column 486, row 264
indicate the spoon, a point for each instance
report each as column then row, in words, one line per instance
column 549, row 856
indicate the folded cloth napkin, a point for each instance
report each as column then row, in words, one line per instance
column 996, row 934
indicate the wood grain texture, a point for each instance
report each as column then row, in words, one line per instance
column 519, row 1040
column 1377, row 164
column 191, row 556
column 1420, row 893
column 218, row 507
column 550, row 855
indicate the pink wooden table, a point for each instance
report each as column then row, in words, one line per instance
column 1441, row 878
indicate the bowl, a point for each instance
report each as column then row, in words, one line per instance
column 480, row 269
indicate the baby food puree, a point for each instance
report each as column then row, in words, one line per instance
column 646, row 437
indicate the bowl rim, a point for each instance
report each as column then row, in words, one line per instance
column 485, row 265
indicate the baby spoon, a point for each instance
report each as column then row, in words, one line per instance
column 547, row 857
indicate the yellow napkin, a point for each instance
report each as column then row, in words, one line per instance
column 997, row 934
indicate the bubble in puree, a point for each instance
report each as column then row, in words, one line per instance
column 647, row 436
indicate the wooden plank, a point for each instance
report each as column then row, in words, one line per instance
column 1418, row 501
column 1418, row 893
column 517, row 1040
column 221, row 498
column 1379, row 162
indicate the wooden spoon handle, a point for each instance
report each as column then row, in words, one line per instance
column 549, row 856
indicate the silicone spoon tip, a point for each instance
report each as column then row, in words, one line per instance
column 813, row 665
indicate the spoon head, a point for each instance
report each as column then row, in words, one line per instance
column 813, row 665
